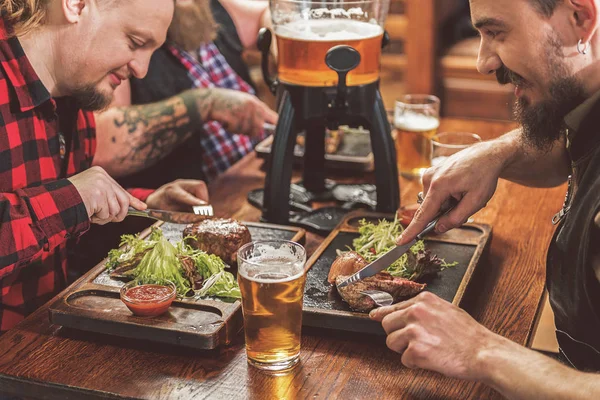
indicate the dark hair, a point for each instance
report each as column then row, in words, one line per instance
column 545, row 7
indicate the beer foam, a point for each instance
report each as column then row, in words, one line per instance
column 280, row 269
column 416, row 122
column 325, row 30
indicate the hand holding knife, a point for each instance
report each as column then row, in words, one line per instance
column 392, row 255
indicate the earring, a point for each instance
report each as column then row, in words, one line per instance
column 582, row 47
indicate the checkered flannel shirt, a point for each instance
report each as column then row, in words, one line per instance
column 40, row 210
column 222, row 149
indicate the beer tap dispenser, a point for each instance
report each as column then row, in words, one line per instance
column 312, row 109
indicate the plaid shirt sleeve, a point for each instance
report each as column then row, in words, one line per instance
column 37, row 219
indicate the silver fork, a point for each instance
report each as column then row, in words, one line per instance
column 380, row 298
column 205, row 209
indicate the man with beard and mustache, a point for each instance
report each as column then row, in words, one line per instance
column 59, row 60
column 195, row 114
column 550, row 51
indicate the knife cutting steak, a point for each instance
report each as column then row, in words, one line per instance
column 346, row 264
column 218, row 236
column 399, row 288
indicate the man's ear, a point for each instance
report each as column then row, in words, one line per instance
column 72, row 9
column 584, row 18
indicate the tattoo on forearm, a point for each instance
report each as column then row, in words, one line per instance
column 233, row 111
column 154, row 130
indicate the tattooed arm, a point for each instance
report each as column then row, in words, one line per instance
column 131, row 138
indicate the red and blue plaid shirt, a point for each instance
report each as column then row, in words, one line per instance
column 222, row 148
column 40, row 209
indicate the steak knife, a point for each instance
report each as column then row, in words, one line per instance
column 176, row 217
column 392, row 255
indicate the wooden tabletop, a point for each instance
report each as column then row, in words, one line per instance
column 41, row 360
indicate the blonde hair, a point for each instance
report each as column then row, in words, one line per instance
column 23, row 15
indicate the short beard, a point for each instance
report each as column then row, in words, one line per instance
column 193, row 25
column 543, row 122
column 89, row 98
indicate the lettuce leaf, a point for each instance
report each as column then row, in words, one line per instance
column 160, row 265
column 160, row 262
column 222, row 284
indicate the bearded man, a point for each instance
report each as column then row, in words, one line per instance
column 195, row 114
column 550, row 51
column 59, row 60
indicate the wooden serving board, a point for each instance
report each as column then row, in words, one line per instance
column 95, row 304
column 323, row 306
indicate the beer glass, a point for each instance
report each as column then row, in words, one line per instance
column 444, row 144
column 416, row 120
column 271, row 278
column 305, row 30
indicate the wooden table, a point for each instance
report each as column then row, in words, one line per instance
column 41, row 360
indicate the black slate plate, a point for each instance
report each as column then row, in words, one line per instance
column 323, row 307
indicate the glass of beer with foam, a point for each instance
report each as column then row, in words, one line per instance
column 271, row 278
column 416, row 120
column 306, row 30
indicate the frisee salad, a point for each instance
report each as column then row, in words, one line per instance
column 377, row 238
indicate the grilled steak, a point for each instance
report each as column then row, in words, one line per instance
column 399, row 288
column 346, row 264
column 218, row 236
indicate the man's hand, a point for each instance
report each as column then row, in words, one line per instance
column 470, row 176
column 179, row 195
column 105, row 200
column 237, row 111
column 433, row 334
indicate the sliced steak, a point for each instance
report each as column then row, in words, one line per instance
column 346, row 264
column 191, row 272
column 399, row 288
column 218, row 236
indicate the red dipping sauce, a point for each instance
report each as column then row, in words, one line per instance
column 148, row 300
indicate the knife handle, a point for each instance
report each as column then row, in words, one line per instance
column 446, row 208
column 138, row 213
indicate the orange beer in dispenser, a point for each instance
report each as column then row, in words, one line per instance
column 303, row 44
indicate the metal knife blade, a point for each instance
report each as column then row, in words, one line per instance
column 176, row 217
column 380, row 264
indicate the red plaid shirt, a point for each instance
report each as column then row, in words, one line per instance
column 42, row 142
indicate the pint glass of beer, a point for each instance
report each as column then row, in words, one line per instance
column 305, row 30
column 416, row 120
column 271, row 278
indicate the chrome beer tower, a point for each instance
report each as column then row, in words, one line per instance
column 313, row 109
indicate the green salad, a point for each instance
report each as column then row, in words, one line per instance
column 377, row 238
column 156, row 260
